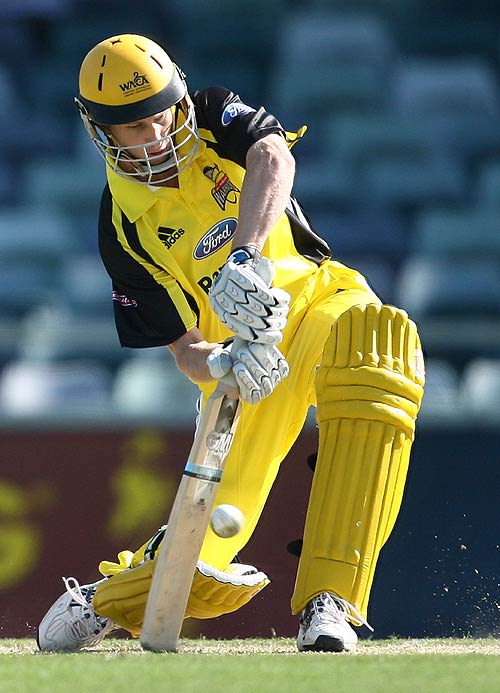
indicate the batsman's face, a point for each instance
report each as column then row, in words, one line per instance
column 145, row 142
column 151, row 150
column 148, row 133
column 148, row 136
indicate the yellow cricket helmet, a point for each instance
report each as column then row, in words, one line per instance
column 126, row 78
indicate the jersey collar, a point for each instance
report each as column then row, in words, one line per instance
column 135, row 199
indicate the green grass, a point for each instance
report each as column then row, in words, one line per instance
column 255, row 666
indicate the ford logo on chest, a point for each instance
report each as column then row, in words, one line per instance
column 215, row 238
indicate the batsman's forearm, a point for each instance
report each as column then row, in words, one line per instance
column 190, row 353
column 266, row 190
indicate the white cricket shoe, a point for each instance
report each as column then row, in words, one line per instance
column 324, row 625
column 71, row 622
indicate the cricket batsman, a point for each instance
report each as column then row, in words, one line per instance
column 203, row 240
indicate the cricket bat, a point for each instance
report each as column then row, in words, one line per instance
column 188, row 523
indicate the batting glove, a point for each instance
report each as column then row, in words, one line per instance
column 243, row 300
column 253, row 369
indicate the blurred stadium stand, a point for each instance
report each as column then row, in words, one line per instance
column 480, row 389
column 400, row 171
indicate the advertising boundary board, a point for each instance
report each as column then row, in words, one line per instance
column 69, row 499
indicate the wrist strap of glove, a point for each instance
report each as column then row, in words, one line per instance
column 245, row 255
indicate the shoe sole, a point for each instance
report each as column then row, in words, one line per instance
column 324, row 643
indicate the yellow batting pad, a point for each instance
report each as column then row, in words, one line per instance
column 214, row 592
column 369, row 389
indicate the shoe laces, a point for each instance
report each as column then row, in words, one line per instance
column 335, row 608
column 75, row 591
column 89, row 629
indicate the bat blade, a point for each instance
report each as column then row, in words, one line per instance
column 187, row 524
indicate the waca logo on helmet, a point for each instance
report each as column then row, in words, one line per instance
column 136, row 84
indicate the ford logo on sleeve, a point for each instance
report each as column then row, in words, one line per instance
column 233, row 110
column 215, row 238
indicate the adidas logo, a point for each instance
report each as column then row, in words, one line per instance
column 169, row 236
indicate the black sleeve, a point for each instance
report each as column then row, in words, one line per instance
column 145, row 313
column 234, row 124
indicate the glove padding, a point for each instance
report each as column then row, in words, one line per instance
column 243, row 300
column 253, row 369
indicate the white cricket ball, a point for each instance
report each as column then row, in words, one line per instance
column 227, row 520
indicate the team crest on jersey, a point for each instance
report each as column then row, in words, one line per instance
column 234, row 110
column 169, row 236
column 215, row 238
column 223, row 191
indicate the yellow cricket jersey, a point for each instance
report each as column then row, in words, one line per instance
column 163, row 247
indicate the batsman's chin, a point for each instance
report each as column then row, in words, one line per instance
column 143, row 171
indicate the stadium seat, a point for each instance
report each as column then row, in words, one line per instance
column 19, row 105
column 379, row 273
column 36, row 9
column 9, row 192
column 393, row 162
column 226, row 27
column 445, row 86
column 457, row 233
column 456, row 305
column 76, row 197
column 9, row 96
column 319, row 186
column 307, row 36
column 442, row 386
column 480, row 388
column 9, row 337
column 433, row 286
column 357, row 233
column 79, row 184
column 149, row 384
column 330, row 62
column 30, row 388
column 33, row 244
column 486, row 187
column 86, row 287
column 12, row 35
column 456, row 97
column 37, row 233
column 26, row 283
column 360, row 5
column 56, row 333
column 234, row 42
